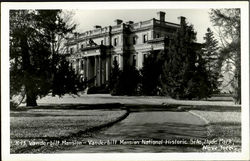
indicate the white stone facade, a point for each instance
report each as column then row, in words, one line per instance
column 93, row 52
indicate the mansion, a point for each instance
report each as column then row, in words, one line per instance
column 92, row 53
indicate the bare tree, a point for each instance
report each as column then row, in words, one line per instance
column 227, row 23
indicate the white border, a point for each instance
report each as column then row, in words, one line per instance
column 5, row 122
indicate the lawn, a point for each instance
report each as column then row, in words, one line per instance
column 224, row 126
column 35, row 126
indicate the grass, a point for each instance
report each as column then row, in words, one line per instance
column 224, row 126
column 39, row 125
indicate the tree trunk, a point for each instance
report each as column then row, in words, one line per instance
column 28, row 79
column 237, row 90
column 30, row 98
column 238, row 87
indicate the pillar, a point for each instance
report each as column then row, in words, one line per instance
column 80, row 65
column 120, row 61
column 103, row 70
column 77, row 66
column 87, row 68
column 96, row 70
column 109, row 67
column 100, row 70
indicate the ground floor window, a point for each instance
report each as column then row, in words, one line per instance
column 144, row 58
column 115, row 58
column 134, row 60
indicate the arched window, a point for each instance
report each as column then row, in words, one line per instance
column 115, row 58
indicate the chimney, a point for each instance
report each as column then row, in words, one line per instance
column 76, row 35
column 129, row 22
column 97, row 27
column 161, row 16
column 182, row 20
column 118, row 21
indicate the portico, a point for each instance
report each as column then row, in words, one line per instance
column 93, row 64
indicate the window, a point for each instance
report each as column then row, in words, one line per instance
column 115, row 41
column 115, row 58
column 145, row 38
column 134, row 40
column 71, row 50
column 82, row 64
column 101, row 42
column 81, row 46
column 134, row 60
column 144, row 57
column 157, row 35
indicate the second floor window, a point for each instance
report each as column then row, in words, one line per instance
column 71, row 50
column 115, row 41
column 145, row 38
column 134, row 40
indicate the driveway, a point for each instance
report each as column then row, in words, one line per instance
column 146, row 128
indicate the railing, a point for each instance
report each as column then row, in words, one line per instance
column 146, row 22
column 135, row 25
column 158, row 22
column 142, row 24
column 117, row 27
column 93, row 32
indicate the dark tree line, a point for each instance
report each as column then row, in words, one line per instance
column 37, row 66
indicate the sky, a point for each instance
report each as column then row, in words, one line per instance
column 87, row 19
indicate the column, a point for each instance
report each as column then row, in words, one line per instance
column 80, row 65
column 77, row 66
column 87, row 68
column 96, row 70
column 104, row 70
column 121, row 61
column 100, row 70
column 108, row 66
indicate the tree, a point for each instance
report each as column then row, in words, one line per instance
column 183, row 69
column 211, row 57
column 124, row 82
column 33, row 60
column 151, row 70
column 129, row 80
column 114, row 78
column 227, row 22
